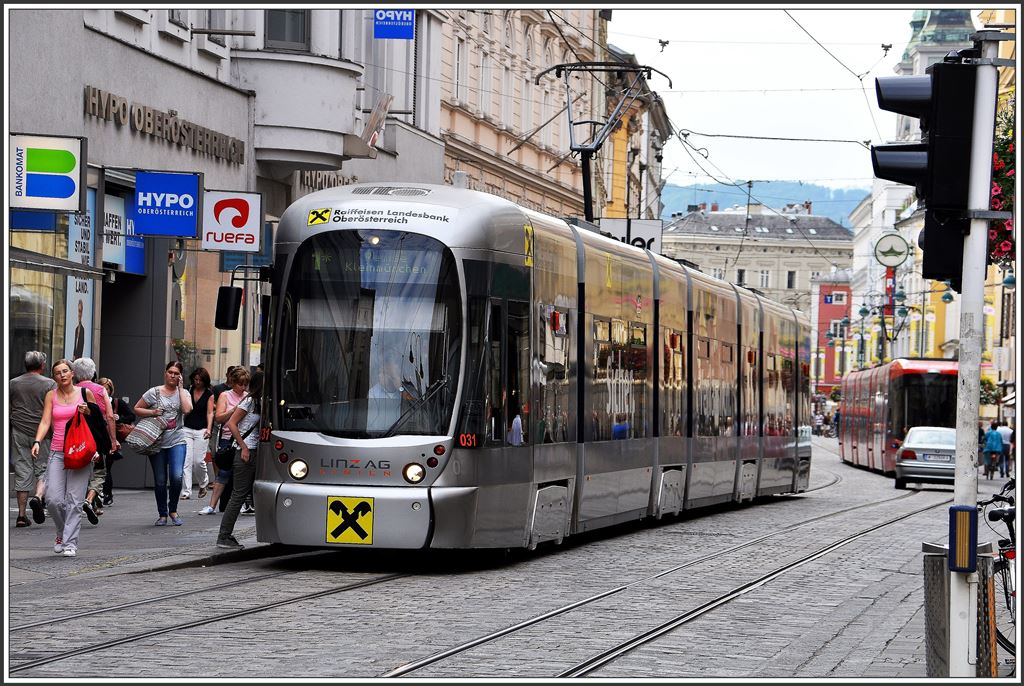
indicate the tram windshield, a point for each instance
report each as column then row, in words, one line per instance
column 370, row 334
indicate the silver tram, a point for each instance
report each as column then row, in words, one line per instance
column 450, row 370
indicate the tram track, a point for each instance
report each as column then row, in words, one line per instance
column 112, row 643
column 603, row 658
column 415, row 665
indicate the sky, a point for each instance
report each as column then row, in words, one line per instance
column 713, row 54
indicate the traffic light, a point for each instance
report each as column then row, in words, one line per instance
column 939, row 166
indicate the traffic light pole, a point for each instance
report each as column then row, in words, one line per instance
column 962, row 621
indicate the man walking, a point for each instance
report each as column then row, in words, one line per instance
column 1005, row 432
column 27, row 393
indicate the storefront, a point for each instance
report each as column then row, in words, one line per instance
column 82, row 284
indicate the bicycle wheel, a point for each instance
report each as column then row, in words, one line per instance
column 1006, row 611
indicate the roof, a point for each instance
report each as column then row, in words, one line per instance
column 769, row 225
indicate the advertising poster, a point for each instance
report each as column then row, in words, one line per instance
column 113, row 230
column 78, row 312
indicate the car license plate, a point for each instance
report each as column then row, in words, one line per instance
column 931, row 457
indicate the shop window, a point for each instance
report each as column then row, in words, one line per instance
column 287, row 29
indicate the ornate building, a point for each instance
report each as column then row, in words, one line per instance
column 506, row 132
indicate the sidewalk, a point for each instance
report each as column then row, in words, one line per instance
column 125, row 540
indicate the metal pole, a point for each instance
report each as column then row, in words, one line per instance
column 965, row 486
column 588, row 210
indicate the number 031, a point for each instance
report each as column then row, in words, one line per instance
column 467, row 440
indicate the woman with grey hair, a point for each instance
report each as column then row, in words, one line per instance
column 85, row 372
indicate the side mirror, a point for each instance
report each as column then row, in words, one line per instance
column 229, row 303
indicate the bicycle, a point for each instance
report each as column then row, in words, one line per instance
column 1004, row 570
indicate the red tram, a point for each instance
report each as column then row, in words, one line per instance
column 881, row 403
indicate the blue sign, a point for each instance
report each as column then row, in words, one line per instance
column 32, row 221
column 167, row 204
column 230, row 259
column 134, row 246
column 828, row 299
column 399, row 24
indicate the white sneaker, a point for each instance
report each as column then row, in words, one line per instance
column 248, row 509
column 207, row 510
column 69, row 552
column 58, row 546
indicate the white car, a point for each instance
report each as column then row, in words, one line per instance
column 928, row 455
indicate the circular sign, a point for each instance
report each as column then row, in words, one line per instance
column 891, row 250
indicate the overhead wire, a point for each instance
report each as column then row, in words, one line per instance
column 859, row 77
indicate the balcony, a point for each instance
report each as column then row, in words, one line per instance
column 305, row 110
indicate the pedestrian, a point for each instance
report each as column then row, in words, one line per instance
column 819, row 422
column 1004, row 460
column 170, row 399
column 993, row 449
column 244, row 429
column 835, row 421
column 65, row 488
column 124, row 422
column 85, row 372
column 198, row 425
column 27, row 394
column 226, row 403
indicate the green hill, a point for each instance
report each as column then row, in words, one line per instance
column 834, row 203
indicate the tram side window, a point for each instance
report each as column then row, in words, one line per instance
column 517, row 378
column 673, row 416
column 552, row 415
column 617, row 395
column 494, row 396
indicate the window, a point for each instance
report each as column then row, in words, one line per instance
column 815, row 276
column 545, row 114
column 673, row 409
column 838, row 297
column 718, row 273
column 741, row 277
column 460, row 71
column 213, row 19
column 618, row 408
column 287, row 29
column 527, row 106
column 764, row 280
column 178, row 17
column 506, row 96
column 790, row 279
column 484, row 92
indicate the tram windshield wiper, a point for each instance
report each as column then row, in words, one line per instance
column 416, row 404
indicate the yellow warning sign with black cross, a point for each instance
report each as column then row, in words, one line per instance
column 528, row 244
column 350, row 520
column 319, row 216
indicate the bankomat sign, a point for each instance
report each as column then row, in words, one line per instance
column 167, row 204
column 47, row 173
column 232, row 221
column 399, row 24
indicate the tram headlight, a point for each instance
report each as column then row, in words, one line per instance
column 298, row 469
column 414, row 473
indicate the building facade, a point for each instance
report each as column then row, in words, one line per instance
column 279, row 108
column 506, row 132
column 837, row 344
column 778, row 253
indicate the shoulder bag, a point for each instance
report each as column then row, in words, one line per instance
column 145, row 436
column 225, row 458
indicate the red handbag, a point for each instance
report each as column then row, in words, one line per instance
column 79, row 445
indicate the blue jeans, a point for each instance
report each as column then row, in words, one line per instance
column 168, row 465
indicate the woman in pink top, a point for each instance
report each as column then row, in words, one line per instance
column 238, row 379
column 65, row 488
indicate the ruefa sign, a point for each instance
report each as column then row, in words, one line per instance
column 232, row 221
